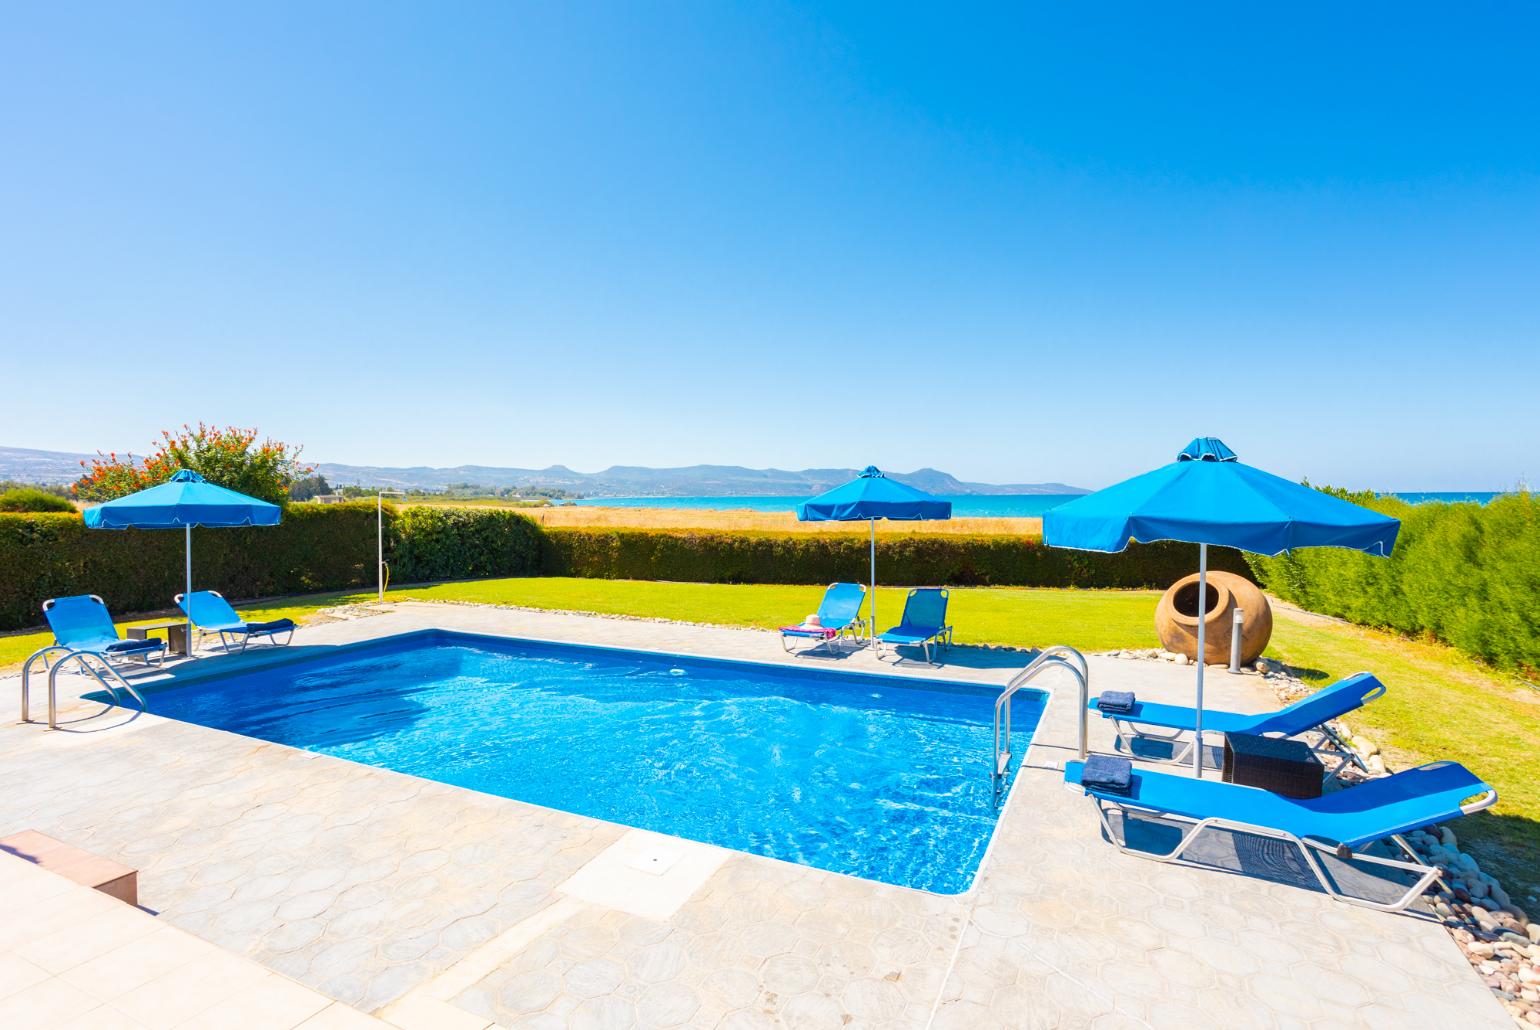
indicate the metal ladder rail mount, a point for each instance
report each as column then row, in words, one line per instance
column 1057, row 656
column 81, row 657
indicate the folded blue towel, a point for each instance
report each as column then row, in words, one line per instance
column 1116, row 701
column 274, row 626
column 1107, row 773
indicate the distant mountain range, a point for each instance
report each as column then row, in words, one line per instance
column 616, row 481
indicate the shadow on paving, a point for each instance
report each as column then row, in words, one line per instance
column 1265, row 858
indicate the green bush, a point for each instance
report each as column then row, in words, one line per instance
column 719, row 557
column 26, row 498
column 53, row 555
column 1466, row 574
column 462, row 543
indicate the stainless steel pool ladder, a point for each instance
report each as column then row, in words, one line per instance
column 1058, row 656
column 82, row 658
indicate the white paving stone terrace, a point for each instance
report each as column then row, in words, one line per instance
column 430, row 905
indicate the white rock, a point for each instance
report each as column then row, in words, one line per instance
column 1446, row 835
column 1532, row 931
column 1529, row 974
column 1182, row 659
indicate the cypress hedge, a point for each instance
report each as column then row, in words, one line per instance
column 332, row 547
column 1466, row 574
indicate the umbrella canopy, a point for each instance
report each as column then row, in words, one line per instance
column 184, row 501
column 187, row 499
column 872, row 495
column 867, row 498
column 1207, row 496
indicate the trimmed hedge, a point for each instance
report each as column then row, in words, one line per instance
column 696, row 557
column 462, row 543
column 54, row 555
column 1466, row 574
column 332, row 547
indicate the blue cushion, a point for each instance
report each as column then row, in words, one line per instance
column 135, row 645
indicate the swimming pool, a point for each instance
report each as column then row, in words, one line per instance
column 881, row 777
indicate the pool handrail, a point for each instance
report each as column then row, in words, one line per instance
column 1057, row 655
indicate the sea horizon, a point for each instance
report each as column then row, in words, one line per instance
column 976, row 506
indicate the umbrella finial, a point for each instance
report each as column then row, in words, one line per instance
column 1207, row 448
column 872, row 472
column 187, row 476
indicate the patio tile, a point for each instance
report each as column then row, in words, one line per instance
column 272, row 1003
column 128, row 966
column 175, row 997
column 340, row 1017
column 17, row 974
column 50, row 1003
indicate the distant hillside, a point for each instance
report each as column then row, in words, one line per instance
column 40, row 466
column 617, row 481
column 691, row 481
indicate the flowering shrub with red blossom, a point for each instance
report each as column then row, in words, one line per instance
column 230, row 457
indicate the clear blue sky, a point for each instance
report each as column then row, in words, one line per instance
column 1016, row 246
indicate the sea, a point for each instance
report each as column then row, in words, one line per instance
column 964, row 506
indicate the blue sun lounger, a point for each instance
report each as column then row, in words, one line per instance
column 1311, row 714
column 923, row 621
column 83, row 630
column 1338, row 823
column 212, row 615
column 838, row 613
column 83, row 624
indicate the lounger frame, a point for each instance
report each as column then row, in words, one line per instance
column 852, row 630
column 1308, row 847
column 1329, row 744
column 941, row 636
column 228, row 633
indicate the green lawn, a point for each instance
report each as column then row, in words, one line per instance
column 1440, row 704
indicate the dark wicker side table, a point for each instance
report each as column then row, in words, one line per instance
column 1283, row 766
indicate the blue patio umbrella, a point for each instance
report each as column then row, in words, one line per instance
column 867, row 498
column 184, row 501
column 1207, row 496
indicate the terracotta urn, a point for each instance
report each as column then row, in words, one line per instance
column 1176, row 618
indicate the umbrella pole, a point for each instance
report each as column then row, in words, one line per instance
column 871, row 631
column 187, row 597
column 1197, row 750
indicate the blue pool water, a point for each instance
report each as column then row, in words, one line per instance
column 877, row 776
